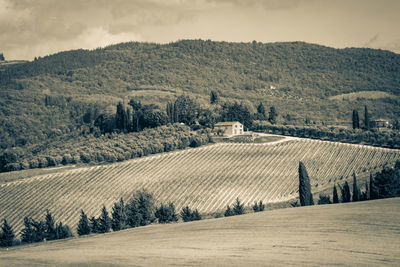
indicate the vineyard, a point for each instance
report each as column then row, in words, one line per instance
column 206, row 178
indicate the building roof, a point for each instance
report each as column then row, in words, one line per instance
column 226, row 123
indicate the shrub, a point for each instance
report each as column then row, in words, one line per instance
column 228, row 211
column 324, row 199
column 7, row 235
column 238, row 207
column 187, row 215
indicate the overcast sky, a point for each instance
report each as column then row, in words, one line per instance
column 30, row 28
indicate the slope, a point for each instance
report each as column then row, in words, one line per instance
column 297, row 78
column 206, row 178
column 340, row 234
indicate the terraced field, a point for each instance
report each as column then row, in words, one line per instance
column 207, row 178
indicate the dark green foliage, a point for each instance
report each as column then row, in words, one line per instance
column 1, row 56
column 121, row 118
column 356, row 191
column 188, row 215
column 94, row 225
column 27, row 234
column 335, row 197
column 214, row 97
column 305, row 194
column 355, row 119
column 7, row 235
column 236, row 112
column 373, row 190
column 272, row 115
column 346, row 195
column 83, row 225
column 388, row 138
column 186, row 109
column 228, row 211
column 166, row 213
column 104, row 221
column 324, row 199
column 50, row 228
column 386, row 183
column 366, row 118
column 118, row 216
column 238, row 207
column 140, row 209
column 258, row 206
column 62, row 231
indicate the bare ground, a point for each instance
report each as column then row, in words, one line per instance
column 354, row 234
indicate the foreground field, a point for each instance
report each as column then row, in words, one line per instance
column 207, row 178
column 353, row 234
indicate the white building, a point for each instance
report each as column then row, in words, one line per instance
column 229, row 128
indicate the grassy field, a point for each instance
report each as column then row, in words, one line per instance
column 206, row 178
column 353, row 234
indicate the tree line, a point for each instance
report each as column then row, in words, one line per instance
column 383, row 184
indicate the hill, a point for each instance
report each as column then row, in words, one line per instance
column 362, row 234
column 48, row 97
column 206, row 178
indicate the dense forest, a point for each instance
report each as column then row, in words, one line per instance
column 59, row 97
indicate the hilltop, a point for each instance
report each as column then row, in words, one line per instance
column 362, row 233
column 48, row 97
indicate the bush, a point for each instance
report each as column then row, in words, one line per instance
column 187, row 215
column 257, row 207
column 324, row 199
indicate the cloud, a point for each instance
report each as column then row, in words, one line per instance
column 34, row 25
column 267, row 4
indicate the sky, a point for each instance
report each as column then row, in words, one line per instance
column 33, row 28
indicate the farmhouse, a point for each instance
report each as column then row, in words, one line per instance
column 229, row 128
column 380, row 123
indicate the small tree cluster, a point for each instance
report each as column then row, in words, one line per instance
column 237, row 209
column 166, row 213
column 7, row 235
column 188, row 215
column 37, row 231
column 257, row 207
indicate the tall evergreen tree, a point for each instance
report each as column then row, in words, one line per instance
column 346, row 195
column 366, row 191
column 228, row 211
column 306, row 197
column 260, row 112
column 118, row 216
column 356, row 190
column 373, row 191
column 356, row 120
column 7, row 235
column 335, row 197
column 186, row 214
column 213, row 97
column 94, row 225
column 272, row 115
column 104, row 221
column 83, row 225
column 121, row 118
column 27, row 234
column 238, row 207
column 366, row 118
column 50, row 229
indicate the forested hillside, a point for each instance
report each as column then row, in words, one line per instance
column 49, row 97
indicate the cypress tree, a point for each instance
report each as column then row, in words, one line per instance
column 346, row 195
column 356, row 191
column 366, row 191
column 261, row 111
column 261, row 206
column 335, row 197
column 255, row 207
column 238, row 208
column 83, row 225
column 50, row 229
column 196, row 215
column 7, row 235
column 213, row 97
column 306, row 197
column 356, row 120
column 366, row 118
column 272, row 115
column 373, row 191
column 104, row 221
